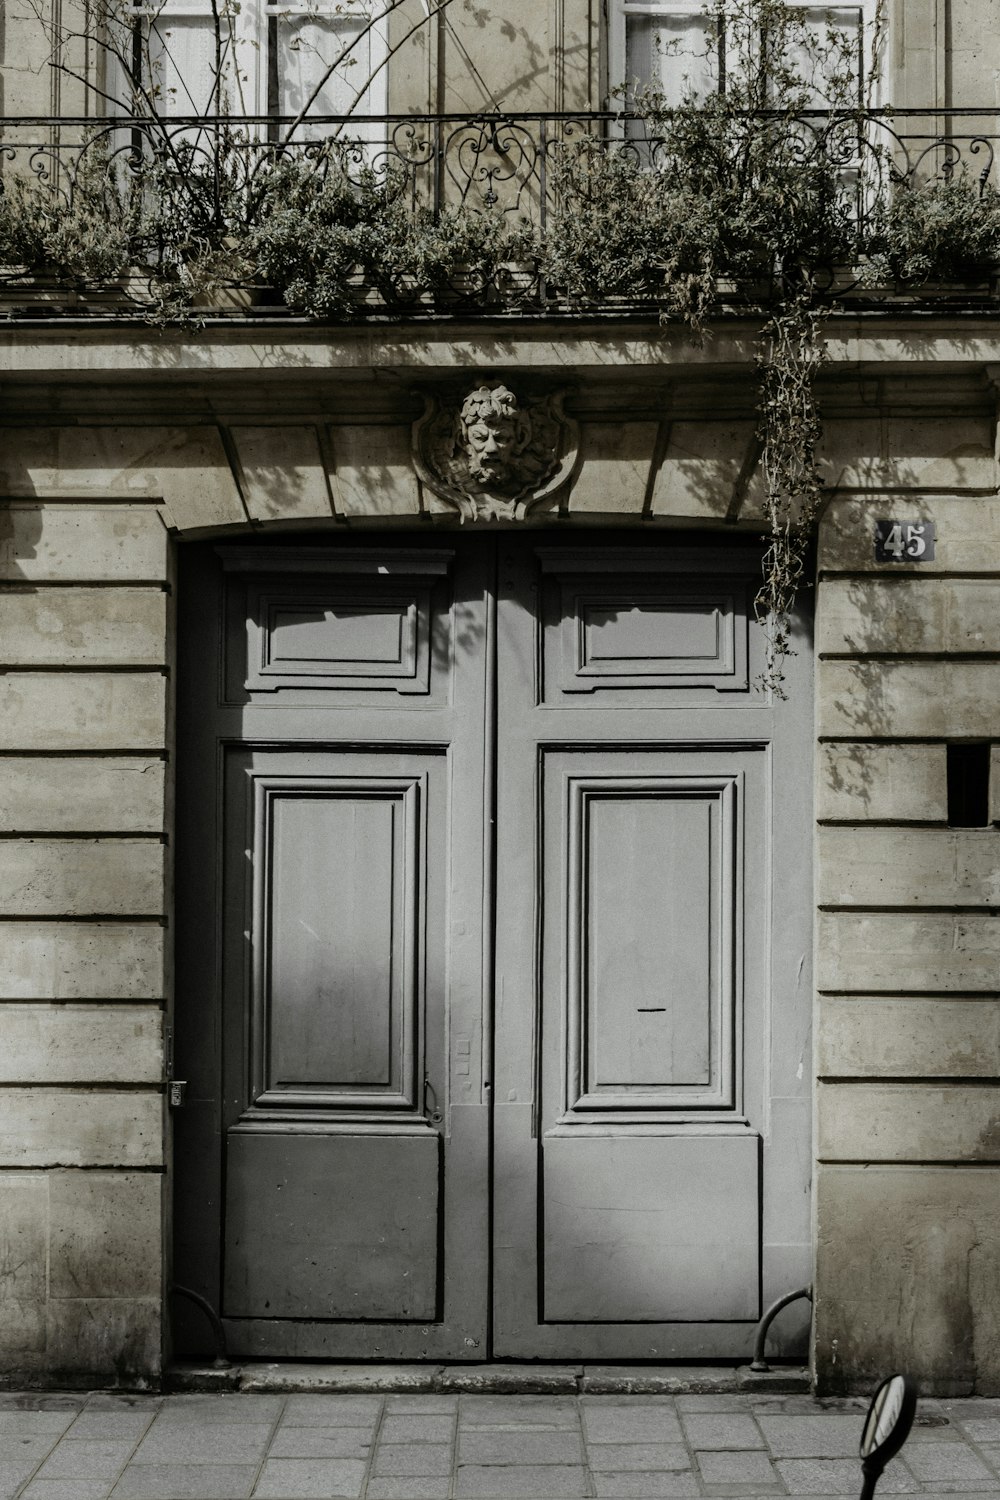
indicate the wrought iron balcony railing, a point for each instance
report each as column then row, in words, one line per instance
column 511, row 163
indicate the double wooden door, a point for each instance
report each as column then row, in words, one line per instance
column 492, row 979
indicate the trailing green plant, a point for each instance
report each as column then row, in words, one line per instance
column 83, row 237
column 945, row 230
column 789, row 353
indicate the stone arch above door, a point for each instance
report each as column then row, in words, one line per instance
column 311, row 471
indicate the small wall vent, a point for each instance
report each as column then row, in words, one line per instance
column 968, row 785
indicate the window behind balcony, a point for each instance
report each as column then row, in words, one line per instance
column 325, row 60
column 672, row 47
column 312, row 57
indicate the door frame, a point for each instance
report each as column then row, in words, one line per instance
column 492, row 1129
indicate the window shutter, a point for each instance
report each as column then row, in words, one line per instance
column 324, row 49
column 664, row 46
column 181, row 45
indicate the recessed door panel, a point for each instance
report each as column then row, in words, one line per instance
column 628, row 1241
column 644, row 630
column 365, row 634
column 650, row 929
column 340, row 638
column 334, row 624
column 648, row 942
column 306, row 1237
column 338, row 906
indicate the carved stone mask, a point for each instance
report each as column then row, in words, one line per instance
column 495, row 432
column 493, row 455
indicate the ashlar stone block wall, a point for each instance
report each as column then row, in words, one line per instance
column 908, row 949
column 83, row 734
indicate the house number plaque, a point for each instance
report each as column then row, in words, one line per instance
column 904, row 541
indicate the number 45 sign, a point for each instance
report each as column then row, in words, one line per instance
column 904, row 541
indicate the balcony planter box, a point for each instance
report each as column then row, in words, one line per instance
column 48, row 296
column 368, row 296
column 975, row 287
column 42, row 294
column 754, row 292
column 229, row 299
column 519, row 282
column 983, row 291
column 464, row 288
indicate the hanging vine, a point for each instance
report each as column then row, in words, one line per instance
column 788, row 357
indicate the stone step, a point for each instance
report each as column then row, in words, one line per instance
column 521, row 1379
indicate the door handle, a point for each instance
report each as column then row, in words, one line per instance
column 433, row 1114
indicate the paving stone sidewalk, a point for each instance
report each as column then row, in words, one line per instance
column 475, row 1447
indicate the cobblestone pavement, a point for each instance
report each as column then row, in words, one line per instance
column 475, row 1447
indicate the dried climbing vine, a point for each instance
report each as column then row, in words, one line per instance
column 789, row 354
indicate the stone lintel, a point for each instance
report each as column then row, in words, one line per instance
column 277, row 354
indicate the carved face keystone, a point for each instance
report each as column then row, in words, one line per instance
column 492, row 442
column 493, row 454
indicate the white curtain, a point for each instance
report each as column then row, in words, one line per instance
column 324, row 45
column 338, row 54
column 182, row 57
column 671, row 53
column 664, row 44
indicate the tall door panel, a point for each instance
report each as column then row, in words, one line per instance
column 333, row 1153
column 333, row 951
column 650, row 1191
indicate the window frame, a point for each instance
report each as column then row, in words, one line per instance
column 871, row 66
column 256, row 54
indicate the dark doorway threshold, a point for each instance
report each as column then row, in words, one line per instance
column 500, row 1379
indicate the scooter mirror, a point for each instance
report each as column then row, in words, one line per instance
column 887, row 1426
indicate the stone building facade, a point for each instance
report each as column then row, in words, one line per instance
column 135, row 462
